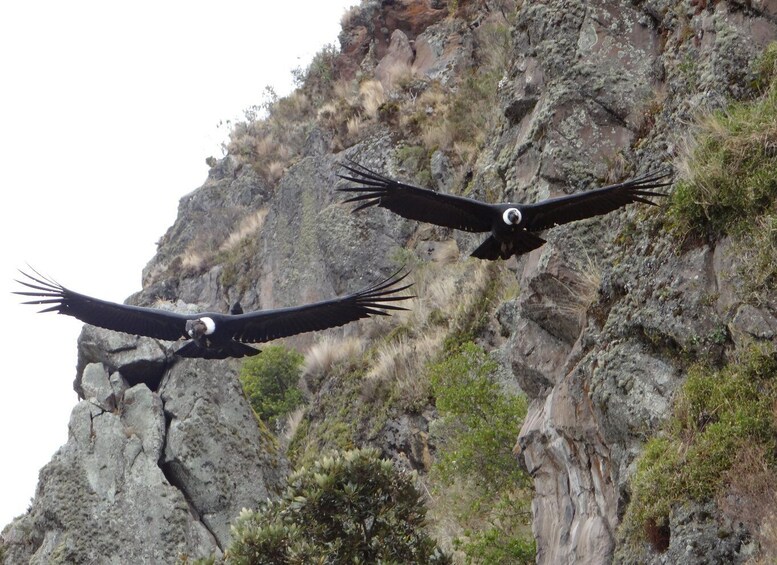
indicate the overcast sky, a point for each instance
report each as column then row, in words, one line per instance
column 107, row 114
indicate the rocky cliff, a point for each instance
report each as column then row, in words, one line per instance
column 598, row 328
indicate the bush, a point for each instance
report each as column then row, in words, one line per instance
column 717, row 415
column 270, row 382
column 732, row 168
column 475, row 436
column 350, row 508
column 480, row 421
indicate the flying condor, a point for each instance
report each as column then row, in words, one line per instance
column 213, row 335
column 512, row 226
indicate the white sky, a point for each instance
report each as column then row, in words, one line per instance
column 107, row 114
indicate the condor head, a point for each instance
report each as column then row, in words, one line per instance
column 195, row 329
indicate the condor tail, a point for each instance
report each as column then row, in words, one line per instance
column 522, row 242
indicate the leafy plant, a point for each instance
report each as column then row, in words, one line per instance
column 270, row 381
column 717, row 415
column 352, row 507
column 480, row 421
column 478, row 426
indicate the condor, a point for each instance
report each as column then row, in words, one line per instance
column 213, row 335
column 512, row 226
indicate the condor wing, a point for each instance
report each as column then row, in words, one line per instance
column 150, row 322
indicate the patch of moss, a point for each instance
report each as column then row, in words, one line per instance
column 717, row 415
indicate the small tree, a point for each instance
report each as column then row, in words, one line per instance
column 349, row 508
column 270, row 382
column 474, row 436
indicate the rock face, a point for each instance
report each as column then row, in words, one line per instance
column 602, row 373
column 147, row 476
column 607, row 307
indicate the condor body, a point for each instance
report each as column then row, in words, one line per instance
column 213, row 335
column 513, row 226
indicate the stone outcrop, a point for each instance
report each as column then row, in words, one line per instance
column 602, row 374
column 147, row 476
column 608, row 308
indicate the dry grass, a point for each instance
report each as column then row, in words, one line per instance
column 397, row 75
column 444, row 294
column 327, row 111
column 752, row 499
column 249, row 226
column 436, row 136
column 192, row 260
column 346, row 92
column 295, row 106
column 293, row 420
column 321, row 357
column 354, row 127
column 275, row 170
column 398, row 367
column 372, row 97
column 465, row 152
column 584, row 288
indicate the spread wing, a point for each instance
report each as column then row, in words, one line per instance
column 557, row 211
column 416, row 203
column 265, row 325
column 159, row 324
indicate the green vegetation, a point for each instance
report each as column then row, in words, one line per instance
column 718, row 416
column 731, row 188
column 416, row 158
column 479, row 421
column 319, row 78
column 475, row 436
column 350, row 508
column 733, row 164
column 270, row 382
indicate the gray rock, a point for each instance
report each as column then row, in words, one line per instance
column 139, row 359
column 96, row 386
column 215, row 451
column 103, row 497
column 698, row 536
column 442, row 173
column 443, row 51
column 396, row 63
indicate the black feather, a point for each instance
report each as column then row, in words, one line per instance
column 507, row 239
column 231, row 330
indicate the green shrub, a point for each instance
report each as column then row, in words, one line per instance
column 492, row 546
column 717, row 415
column 350, row 508
column 475, row 436
column 319, row 78
column 270, row 381
column 733, row 166
column 480, row 421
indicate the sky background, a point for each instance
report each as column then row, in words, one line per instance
column 107, row 114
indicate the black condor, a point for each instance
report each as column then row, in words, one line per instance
column 214, row 335
column 512, row 226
